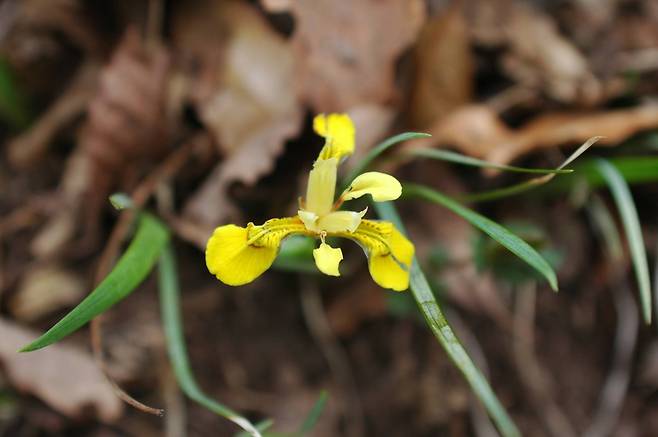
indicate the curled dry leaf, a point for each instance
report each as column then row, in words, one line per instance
column 45, row 289
column 252, row 110
column 126, row 125
column 126, row 117
column 478, row 131
column 65, row 378
column 444, row 68
column 346, row 51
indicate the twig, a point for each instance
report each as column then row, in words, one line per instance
column 614, row 391
column 140, row 195
column 533, row 376
column 317, row 323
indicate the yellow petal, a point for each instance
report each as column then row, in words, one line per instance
column 389, row 253
column 338, row 130
column 321, row 186
column 340, row 221
column 327, row 259
column 232, row 260
column 381, row 186
column 237, row 255
column 387, row 273
column 401, row 248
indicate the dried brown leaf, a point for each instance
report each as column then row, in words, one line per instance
column 251, row 111
column 478, row 131
column 45, row 289
column 444, row 68
column 62, row 376
column 346, row 51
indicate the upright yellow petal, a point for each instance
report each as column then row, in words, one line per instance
column 338, row 130
column 232, row 260
column 327, row 259
column 381, row 186
column 321, row 186
column 340, row 221
column 237, row 255
column 310, row 220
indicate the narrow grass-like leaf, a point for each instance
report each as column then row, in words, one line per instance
column 506, row 238
column 313, row 415
column 532, row 183
column 129, row 272
column 378, row 150
column 634, row 170
column 626, row 207
column 171, row 319
column 458, row 158
column 444, row 334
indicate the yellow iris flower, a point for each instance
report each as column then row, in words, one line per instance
column 238, row 255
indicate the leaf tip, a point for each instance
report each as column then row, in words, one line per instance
column 121, row 201
column 28, row 348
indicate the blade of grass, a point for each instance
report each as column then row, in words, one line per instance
column 444, row 334
column 171, row 319
column 626, row 207
column 458, row 158
column 499, row 233
column 532, row 183
column 129, row 272
column 634, row 170
column 313, row 415
column 378, row 150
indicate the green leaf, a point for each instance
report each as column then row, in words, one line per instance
column 516, row 245
column 626, row 207
column 296, row 255
column 444, row 334
column 129, row 272
column 634, row 170
column 458, row 158
column 171, row 319
column 314, row 415
column 13, row 103
column 378, row 150
column 532, row 183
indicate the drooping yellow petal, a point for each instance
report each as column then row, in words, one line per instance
column 232, row 260
column 237, row 255
column 321, row 186
column 340, row 221
column 381, row 186
column 389, row 253
column 387, row 273
column 338, row 130
column 327, row 259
